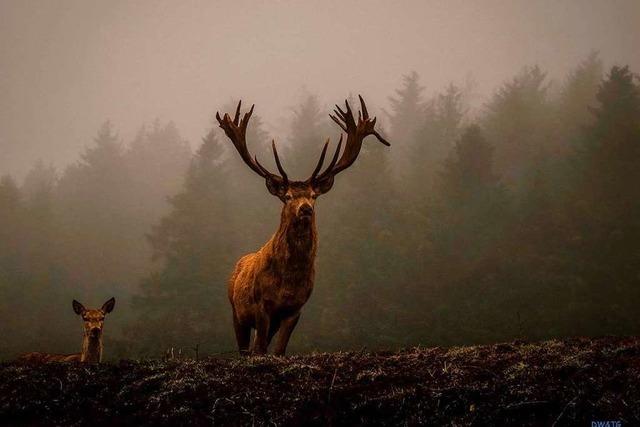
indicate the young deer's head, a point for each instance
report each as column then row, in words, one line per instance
column 93, row 325
column 299, row 196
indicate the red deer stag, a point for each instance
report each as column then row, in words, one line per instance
column 91, row 341
column 269, row 287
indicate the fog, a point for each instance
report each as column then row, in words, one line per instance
column 507, row 205
column 65, row 67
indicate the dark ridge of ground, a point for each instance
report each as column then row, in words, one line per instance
column 557, row 382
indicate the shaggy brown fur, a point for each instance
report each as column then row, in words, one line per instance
column 91, row 341
column 269, row 287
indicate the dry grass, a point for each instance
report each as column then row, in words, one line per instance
column 565, row 382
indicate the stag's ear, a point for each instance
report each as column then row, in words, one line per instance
column 107, row 307
column 323, row 185
column 78, row 308
column 276, row 186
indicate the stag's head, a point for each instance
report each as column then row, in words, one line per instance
column 93, row 318
column 299, row 196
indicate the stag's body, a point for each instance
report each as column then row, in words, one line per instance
column 269, row 287
column 93, row 321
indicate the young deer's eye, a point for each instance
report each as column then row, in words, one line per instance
column 314, row 196
column 288, row 197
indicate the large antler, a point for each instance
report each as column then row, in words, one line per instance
column 236, row 131
column 356, row 133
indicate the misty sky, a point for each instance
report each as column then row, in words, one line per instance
column 67, row 66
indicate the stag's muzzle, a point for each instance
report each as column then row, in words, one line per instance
column 305, row 210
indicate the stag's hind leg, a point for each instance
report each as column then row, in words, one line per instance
column 286, row 328
column 243, row 336
column 274, row 327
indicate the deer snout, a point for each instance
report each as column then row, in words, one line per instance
column 305, row 210
column 95, row 332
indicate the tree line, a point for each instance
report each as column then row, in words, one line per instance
column 518, row 219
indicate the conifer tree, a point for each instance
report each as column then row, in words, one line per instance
column 309, row 131
column 577, row 97
column 94, row 224
column 519, row 122
column 607, row 202
column 184, row 303
column 405, row 118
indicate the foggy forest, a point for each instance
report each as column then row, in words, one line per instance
column 467, row 255
column 517, row 219
column 507, row 206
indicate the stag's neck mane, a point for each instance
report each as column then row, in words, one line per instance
column 295, row 242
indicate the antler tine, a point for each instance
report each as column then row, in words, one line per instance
column 278, row 164
column 335, row 156
column 262, row 168
column 339, row 112
column 365, row 113
column 236, row 118
column 381, row 139
column 335, row 119
column 236, row 130
column 329, row 168
column 356, row 132
column 349, row 115
column 321, row 161
column 247, row 116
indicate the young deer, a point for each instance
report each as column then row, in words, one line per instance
column 91, row 341
column 269, row 287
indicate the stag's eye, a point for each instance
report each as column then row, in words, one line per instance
column 314, row 196
column 288, row 197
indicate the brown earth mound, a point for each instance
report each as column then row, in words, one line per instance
column 568, row 382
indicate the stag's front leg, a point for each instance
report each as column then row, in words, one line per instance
column 243, row 335
column 286, row 328
column 262, row 333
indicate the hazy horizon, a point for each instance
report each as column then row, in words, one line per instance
column 69, row 66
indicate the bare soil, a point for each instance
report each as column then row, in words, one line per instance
column 558, row 382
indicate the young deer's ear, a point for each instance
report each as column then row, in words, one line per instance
column 276, row 186
column 78, row 308
column 107, row 307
